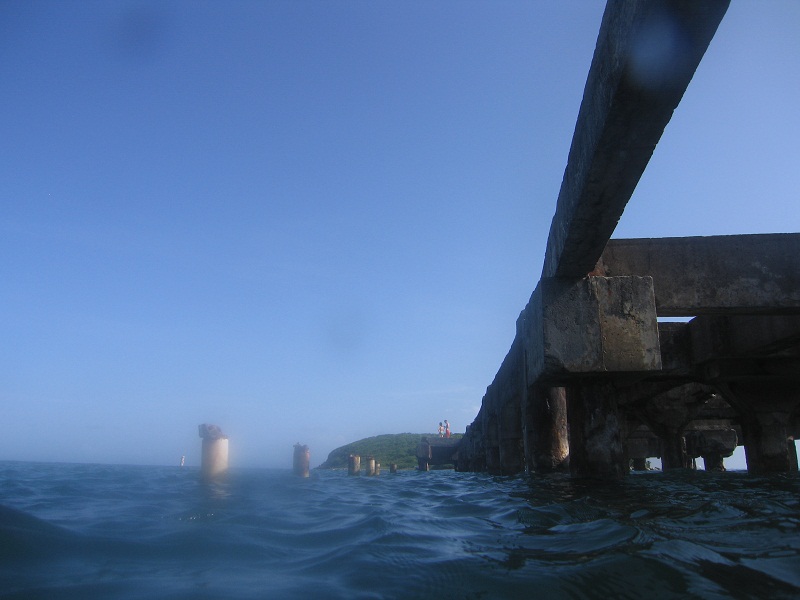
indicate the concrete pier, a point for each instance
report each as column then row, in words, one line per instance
column 437, row 451
column 592, row 379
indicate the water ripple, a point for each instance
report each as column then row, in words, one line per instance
column 94, row 531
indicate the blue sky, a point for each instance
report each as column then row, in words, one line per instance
column 318, row 221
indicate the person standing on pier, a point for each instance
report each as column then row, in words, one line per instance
column 441, row 429
column 446, row 429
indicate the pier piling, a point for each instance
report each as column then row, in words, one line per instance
column 302, row 459
column 214, row 452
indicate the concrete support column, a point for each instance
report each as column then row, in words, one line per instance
column 471, row 452
column 668, row 414
column 214, row 460
column 673, row 450
column 477, row 460
column 713, row 462
column 594, row 431
column 424, row 455
column 713, row 445
column 510, row 445
column 492, row 436
column 301, row 460
column 767, row 443
column 546, row 435
column 214, row 451
column 765, row 409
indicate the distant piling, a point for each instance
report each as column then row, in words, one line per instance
column 393, row 468
column 214, row 452
column 370, row 466
column 302, row 458
column 377, row 469
column 354, row 466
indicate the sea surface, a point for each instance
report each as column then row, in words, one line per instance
column 100, row 531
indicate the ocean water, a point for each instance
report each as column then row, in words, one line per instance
column 99, row 531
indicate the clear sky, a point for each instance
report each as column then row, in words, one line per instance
column 315, row 222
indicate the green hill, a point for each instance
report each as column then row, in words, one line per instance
column 400, row 448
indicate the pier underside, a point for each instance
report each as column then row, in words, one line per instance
column 594, row 382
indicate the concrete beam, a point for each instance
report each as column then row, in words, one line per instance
column 729, row 274
column 633, row 87
column 676, row 349
column 595, row 325
column 715, row 338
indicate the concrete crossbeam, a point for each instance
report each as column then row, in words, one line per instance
column 631, row 92
column 716, row 338
column 595, row 325
column 731, row 274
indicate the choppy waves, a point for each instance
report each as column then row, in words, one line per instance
column 96, row 531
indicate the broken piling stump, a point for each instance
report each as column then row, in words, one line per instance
column 302, row 458
column 214, row 452
column 354, row 465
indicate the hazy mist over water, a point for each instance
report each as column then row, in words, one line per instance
column 99, row 531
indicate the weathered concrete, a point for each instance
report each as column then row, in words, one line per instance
column 631, row 386
column 437, row 451
column 301, row 460
column 738, row 274
column 627, row 103
column 545, row 432
column 766, row 407
column 214, row 451
column 592, row 325
column 595, row 441
column 668, row 414
column 720, row 338
column 713, row 445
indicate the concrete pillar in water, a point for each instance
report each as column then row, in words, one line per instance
column 713, row 462
column 370, row 466
column 302, row 459
column 673, row 449
column 393, row 468
column 491, row 429
column 354, row 465
column 713, row 445
column 377, row 468
column 594, row 431
column 765, row 410
column 767, row 444
column 424, row 455
column 544, row 414
column 214, row 453
column 511, row 451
